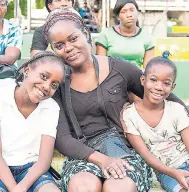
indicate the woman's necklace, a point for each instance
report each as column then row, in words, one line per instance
column 122, row 33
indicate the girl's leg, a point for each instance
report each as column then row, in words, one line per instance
column 3, row 187
column 121, row 185
column 84, row 182
column 49, row 187
column 169, row 184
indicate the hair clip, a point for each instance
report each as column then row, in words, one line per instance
column 166, row 54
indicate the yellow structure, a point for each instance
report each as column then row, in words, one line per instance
column 178, row 47
column 180, row 29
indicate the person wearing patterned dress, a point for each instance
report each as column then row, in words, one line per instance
column 115, row 167
column 10, row 37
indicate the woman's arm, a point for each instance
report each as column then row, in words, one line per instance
column 149, row 54
column 101, row 50
column 14, row 44
column 102, row 42
column 66, row 144
column 173, row 97
column 10, row 56
column 43, row 163
column 5, row 174
column 38, row 42
column 69, row 146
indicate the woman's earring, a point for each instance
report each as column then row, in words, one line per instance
column 26, row 74
column 88, row 40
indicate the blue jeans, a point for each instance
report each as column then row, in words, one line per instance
column 170, row 184
column 19, row 172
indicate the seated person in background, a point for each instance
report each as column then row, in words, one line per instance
column 39, row 42
column 28, row 121
column 158, row 129
column 10, row 37
column 126, row 39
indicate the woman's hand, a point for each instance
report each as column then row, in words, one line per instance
column 180, row 176
column 115, row 167
column 111, row 167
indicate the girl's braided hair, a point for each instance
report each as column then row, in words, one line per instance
column 41, row 56
column 65, row 15
column 161, row 60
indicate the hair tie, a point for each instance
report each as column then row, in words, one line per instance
column 166, row 54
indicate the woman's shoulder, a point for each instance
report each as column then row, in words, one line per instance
column 145, row 34
column 107, row 30
column 144, row 31
column 11, row 25
column 123, row 66
column 116, row 63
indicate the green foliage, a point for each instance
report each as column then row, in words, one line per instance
column 10, row 10
column 23, row 7
column 177, row 21
column 40, row 4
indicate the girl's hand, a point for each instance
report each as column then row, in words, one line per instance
column 115, row 167
column 180, row 176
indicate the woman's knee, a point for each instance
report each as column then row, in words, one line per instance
column 84, row 182
column 121, row 185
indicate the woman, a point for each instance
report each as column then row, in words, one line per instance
column 28, row 121
column 126, row 40
column 10, row 37
column 97, row 91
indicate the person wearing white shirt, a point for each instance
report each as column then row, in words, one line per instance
column 28, row 121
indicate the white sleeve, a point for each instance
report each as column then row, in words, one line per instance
column 51, row 122
column 129, row 123
column 182, row 117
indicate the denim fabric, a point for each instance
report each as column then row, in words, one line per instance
column 110, row 143
column 170, row 184
column 19, row 172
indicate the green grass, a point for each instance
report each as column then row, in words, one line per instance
column 57, row 161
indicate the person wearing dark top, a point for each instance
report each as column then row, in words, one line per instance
column 87, row 169
column 39, row 43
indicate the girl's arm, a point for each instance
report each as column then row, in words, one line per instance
column 141, row 148
column 184, row 134
column 149, row 54
column 5, row 174
column 42, row 165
